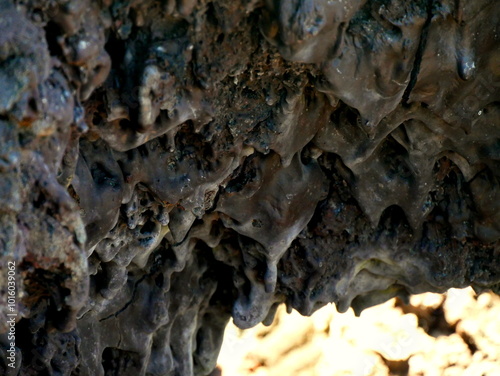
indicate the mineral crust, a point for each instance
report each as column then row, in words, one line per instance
column 168, row 165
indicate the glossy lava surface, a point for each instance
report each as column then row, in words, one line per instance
column 168, row 165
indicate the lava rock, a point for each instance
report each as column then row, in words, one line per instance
column 168, row 165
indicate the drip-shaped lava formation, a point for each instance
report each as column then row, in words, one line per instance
column 165, row 165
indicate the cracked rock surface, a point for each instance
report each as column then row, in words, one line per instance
column 168, row 165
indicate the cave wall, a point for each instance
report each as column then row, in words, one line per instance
column 168, row 165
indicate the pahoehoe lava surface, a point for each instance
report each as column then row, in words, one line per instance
column 168, row 165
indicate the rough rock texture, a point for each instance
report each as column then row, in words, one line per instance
column 166, row 165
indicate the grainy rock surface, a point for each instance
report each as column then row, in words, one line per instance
column 167, row 165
